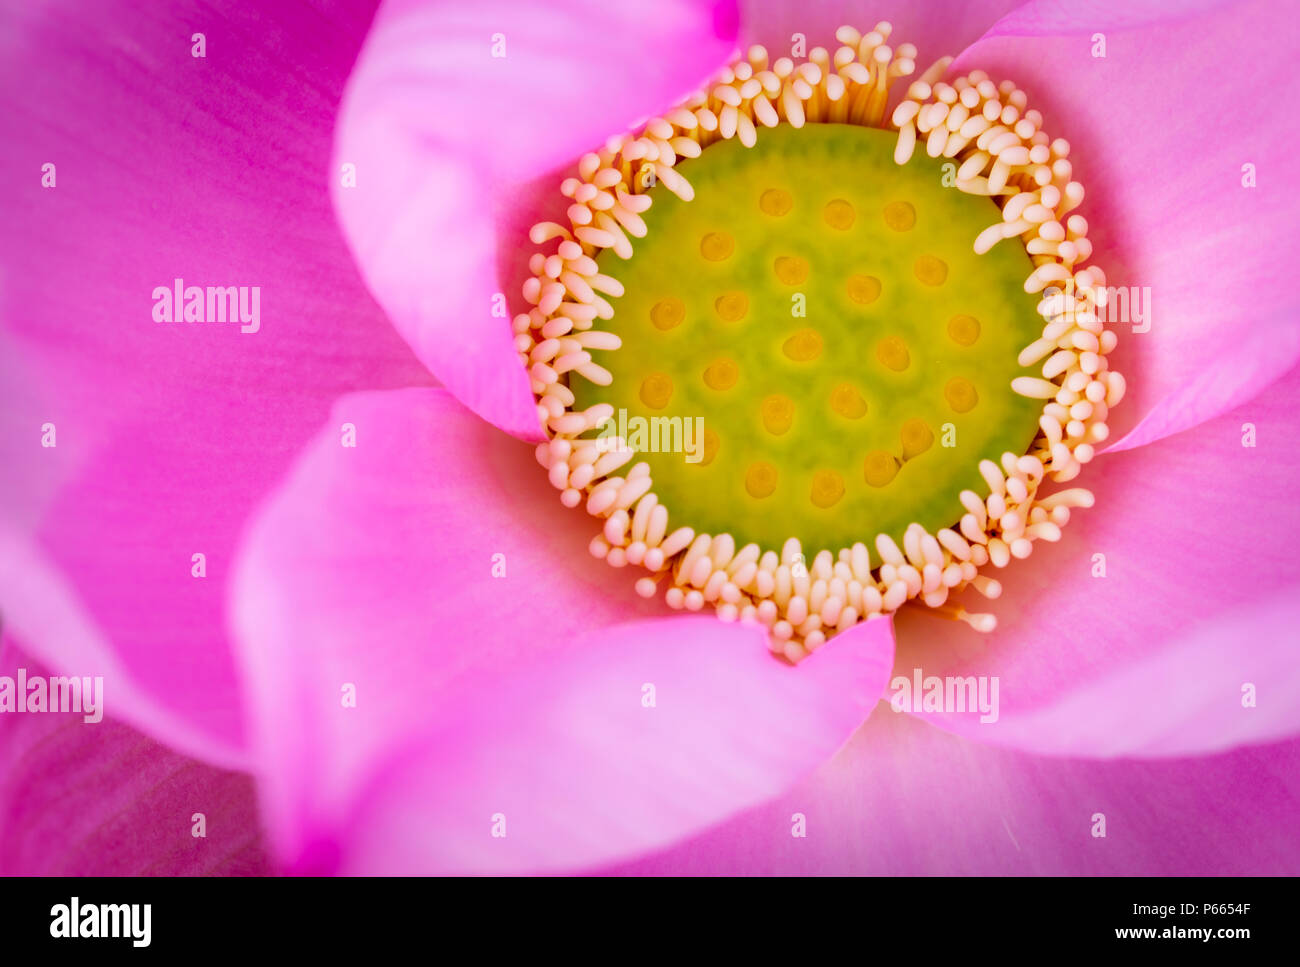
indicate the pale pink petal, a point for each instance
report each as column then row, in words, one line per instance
column 1034, row 19
column 621, row 741
column 1229, row 681
column 936, row 28
column 1248, row 360
column 903, row 798
column 166, row 165
column 438, row 131
column 82, row 798
column 1196, row 534
column 1163, row 156
column 374, row 566
column 373, row 570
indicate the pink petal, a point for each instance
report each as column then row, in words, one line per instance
column 1032, row 19
column 209, row 169
column 1161, row 154
column 903, row 799
column 440, row 132
column 1230, row 681
column 41, row 605
column 373, row 567
column 567, row 759
column 395, row 594
column 100, row 799
column 937, row 28
column 1198, row 599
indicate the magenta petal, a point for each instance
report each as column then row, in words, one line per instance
column 1196, row 534
column 439, row 133
column 1163, row 157
column 903, row 798
column 620, row 741
column 166, row 165
column 373, row 569
column 99, row 799
column 40, row 605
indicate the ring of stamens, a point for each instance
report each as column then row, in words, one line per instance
column 999, row 149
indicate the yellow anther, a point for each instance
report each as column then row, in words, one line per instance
column 827, row 488
column 760, row 479
column 930, row 270
column 892, row 353
column 964, row 330
column 731, row 306
column 775, row 202
column 848, row 402
column 900, row 216
column 804, row 346
column 667, row 314
column 839, row 215
column 711, row 444
column 721, row 374
column 863, row 289
column 656, row 390
column 717, row 246
column 960, row 394
column 791, row 269
column 879, row 468
column 778, row 414
column 917, row 437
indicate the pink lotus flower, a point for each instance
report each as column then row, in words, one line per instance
column 343, row 640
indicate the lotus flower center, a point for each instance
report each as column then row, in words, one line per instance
column 821, row 350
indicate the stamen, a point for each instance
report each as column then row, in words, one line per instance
column 983, row 623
